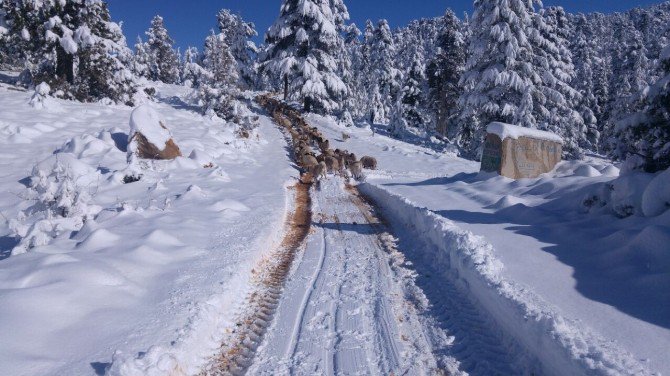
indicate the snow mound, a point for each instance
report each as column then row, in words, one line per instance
column 587, row 171
column 145, row 120
column 656, row 197
column 627, row 192
column 506, row 201
column 610, row 171
column 229, row 204
column 504, row 131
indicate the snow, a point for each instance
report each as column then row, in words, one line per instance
column 656, row 197
column 504, row 131
column 164, row 263
column 339, row 307
column 42, row 89
column 146, row 120
column 551, row 264
column 68, row 44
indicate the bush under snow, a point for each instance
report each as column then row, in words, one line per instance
column 61, row 189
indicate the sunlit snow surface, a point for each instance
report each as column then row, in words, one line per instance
column 166, row 259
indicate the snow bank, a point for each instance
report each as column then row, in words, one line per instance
column 504, row 131
column 562, row 345
column 145, row 120
column 656, row 197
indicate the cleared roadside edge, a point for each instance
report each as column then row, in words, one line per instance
column 563, row 346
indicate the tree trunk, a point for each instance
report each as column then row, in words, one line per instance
column 285, row 87
column 308, row 104
column 64, row 65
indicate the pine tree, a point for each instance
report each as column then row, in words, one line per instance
column 142, row 59
column 73, row 46
column 345, row 45
column 238, row 33
column 628, row 79
column 4, row 53
column 194, row 73
column 164, row 65
column 407, row 113
column 644, row 138
column 585, row 59
column 444, row 73
column 301, row 55
column 388, row 78
column 219, row 86
column 351, row 73
column 499, row 80
column 555, row 108
column 366, row 82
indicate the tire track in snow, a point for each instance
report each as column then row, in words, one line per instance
column 357, row 320
column 237, row 354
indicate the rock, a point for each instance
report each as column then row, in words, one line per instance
column 149, row 138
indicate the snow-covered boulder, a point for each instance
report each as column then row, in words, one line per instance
column 149, row 138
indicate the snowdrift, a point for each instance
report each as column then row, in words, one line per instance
column 562, row 345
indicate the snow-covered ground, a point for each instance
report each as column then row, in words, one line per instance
column 453, row 270
column 592, row 283
column 162, row 263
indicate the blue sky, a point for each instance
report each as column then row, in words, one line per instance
column 189, row 21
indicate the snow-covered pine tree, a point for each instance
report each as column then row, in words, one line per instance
column 644, row 138
column 220, row 85
column 388, row 78
column 141, row 59
column 345, row 45
column 164, row 65
column 630, row 66
column 409, row 115
column 219, row 61
column 194, row 73
column 23, row 24
column 73, row 46
column 301, row 55
column 585, row 58
column 555, row 108
column 4, row 53
column 366, row 82
column 499, row 78
column 104, row 58
column 238, row 33
column 398, row 124
column 444, row 72
column 353, row 67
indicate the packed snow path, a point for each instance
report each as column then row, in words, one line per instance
column 352, row 306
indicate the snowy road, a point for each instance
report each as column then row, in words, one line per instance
column 352, row 306
column 344, row 309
